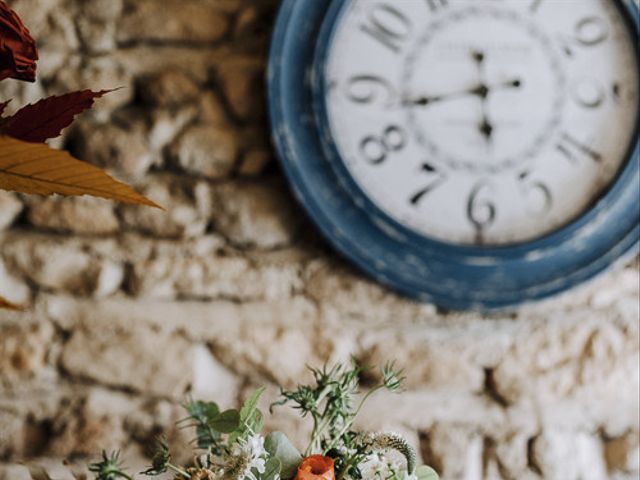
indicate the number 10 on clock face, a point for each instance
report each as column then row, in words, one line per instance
column 482, row 122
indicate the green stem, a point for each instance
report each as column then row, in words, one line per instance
column 346, row 468
column 178, row 471
column 318, row 427
column 348, row 424
column 316, row 434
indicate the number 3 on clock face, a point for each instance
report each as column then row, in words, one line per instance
column 464, row 144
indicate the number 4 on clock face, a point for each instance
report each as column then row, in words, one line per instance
column 483, row 90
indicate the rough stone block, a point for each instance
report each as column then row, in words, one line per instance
column 10, row 208
column 206, row 150
column 184, row 216
column 259, row 214
column 186, row 21
column 24, row 347
column 12, row 287
column 570, row 455
column 52, row 264
column 218, row 275
column 167, row 88
column 242, row 80
column 83, row 215
column 88, row 425
column 133, row 358
column 123, row 150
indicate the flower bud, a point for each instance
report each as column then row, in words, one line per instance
column 316, row 467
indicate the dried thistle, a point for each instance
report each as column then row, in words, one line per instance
column 109, row 468
column 392, row 441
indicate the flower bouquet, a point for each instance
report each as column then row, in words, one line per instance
column 230, row 445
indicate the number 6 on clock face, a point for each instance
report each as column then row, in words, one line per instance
column 459, row 145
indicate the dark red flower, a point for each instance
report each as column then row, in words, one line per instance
column 18, row 52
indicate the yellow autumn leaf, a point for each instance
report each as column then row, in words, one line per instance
column 7, row 305
column 35, row 168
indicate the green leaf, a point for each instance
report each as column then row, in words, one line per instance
column 252, row 425
column 279, row 446
column 426, row 473
column 256, row 421
column 234, row 436
column 250, row 405
column 272, row 469
column 251, row 419
column 227, row 422
column 206, row 436
column 203, row 412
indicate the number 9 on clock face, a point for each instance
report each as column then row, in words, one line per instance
column 474, row 153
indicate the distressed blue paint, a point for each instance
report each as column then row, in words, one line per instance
column 452, row 276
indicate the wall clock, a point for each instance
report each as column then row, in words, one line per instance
column 477, row 154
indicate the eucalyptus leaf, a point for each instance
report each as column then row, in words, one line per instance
column 279, row 446
column 272, row 469
column 227, row 422
column 426, row 473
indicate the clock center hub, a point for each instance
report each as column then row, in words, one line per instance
column 490, row 104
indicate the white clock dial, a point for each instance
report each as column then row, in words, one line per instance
column 485, row 122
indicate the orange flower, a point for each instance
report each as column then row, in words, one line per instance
column 316, row 467
column 18, row 53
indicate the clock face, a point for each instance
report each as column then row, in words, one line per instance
column 483, row 122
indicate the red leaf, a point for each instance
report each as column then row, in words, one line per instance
column 48, row 117
column 18, row 52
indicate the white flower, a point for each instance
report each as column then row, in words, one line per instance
column 255, row 445
column 246, row 456
column 378, row 467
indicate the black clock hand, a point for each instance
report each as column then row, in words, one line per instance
column 428, row 100
column 485, row 127
column 480, row 90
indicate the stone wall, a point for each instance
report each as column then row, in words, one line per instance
column 132, row 308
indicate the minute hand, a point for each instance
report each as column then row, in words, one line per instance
column 480, row 90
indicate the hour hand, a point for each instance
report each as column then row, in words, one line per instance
column 428, row 100
column 481, row 90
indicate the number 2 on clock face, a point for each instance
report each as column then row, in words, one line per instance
column 482, row 121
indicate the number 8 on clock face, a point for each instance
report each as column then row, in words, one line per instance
column 495, row 133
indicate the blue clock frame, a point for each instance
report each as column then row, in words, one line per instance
column 451, row 276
